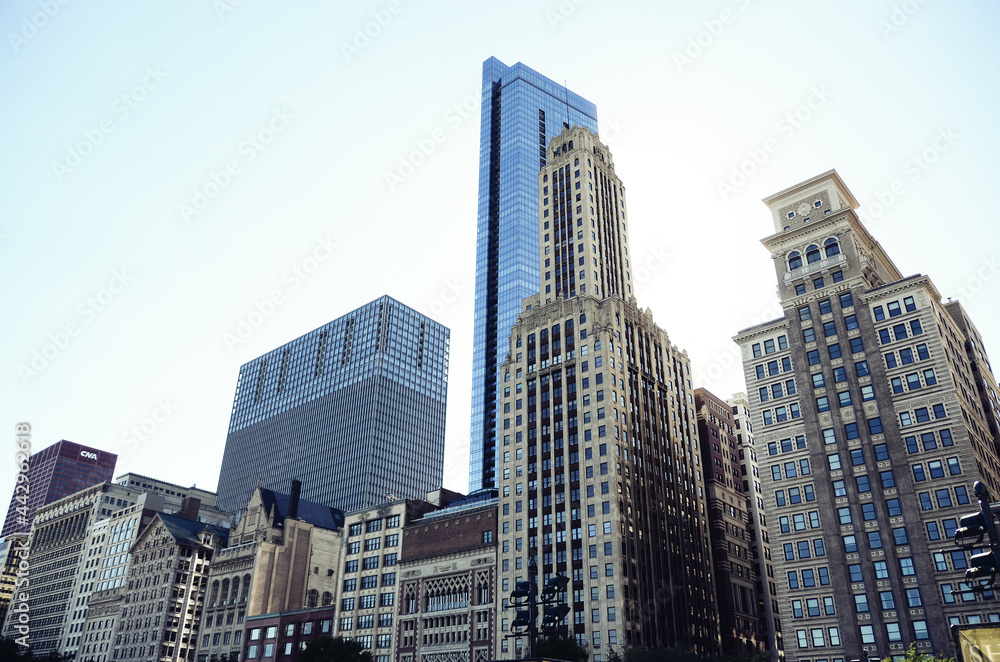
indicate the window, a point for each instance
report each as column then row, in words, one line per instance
column 834, row 350
column 818, row 380
column 850, row 544
column 794, row 260
column 823, row 404
column 854, row 570
column 800, row 289
column 818, row 283
column 829, row 328
column 808, row 335
column 846, row 301
column 804, row 313
column 824, row 307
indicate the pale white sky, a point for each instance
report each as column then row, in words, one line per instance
column 129, row 255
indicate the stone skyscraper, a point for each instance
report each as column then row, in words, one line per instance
column 355, row 410
column 521, row 112
column 871, row 429
column 599, row 469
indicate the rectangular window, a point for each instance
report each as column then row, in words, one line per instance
column 845, row 300
column 809, row 335
column 824, row 307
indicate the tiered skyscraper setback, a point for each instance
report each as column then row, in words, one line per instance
column 600, row 474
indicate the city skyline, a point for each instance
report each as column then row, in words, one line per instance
column 217, row 164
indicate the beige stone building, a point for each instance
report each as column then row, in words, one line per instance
column 366, row 598
column 165, row 589
column 870, row 430
column 599, row 469
column 284, row 555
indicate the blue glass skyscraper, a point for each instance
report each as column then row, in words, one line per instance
column 354, row 409
column 521, row 111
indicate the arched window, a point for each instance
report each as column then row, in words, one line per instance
column 327, row 598
column 794, row 260
column 312, row 598
column 215, row 593
column 246, row 587
column 832, row 247
column 224, row 596
column 236, row 589
column 812, row 254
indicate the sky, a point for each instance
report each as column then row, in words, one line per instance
column 185, row 185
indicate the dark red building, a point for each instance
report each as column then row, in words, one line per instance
column 62, row 469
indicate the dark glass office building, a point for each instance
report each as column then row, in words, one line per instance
column 355, row 410
column 62, row 469
column 521, row 111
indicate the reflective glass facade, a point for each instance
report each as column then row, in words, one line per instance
column 355, row 410
column 521, row 112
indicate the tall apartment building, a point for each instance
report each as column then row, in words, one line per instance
column 62, row 552
column 62, row 469
column 107, row 562
column 521, row 112
column 741, row 623
column 767, row 588
column 599, row 468
column 10, row 560
column 165, row 589
column 337, row 408
column 283, row 555
column 866, row 402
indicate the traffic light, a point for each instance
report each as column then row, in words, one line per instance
column 970, row 526
column 978, row 531
column 982, row 566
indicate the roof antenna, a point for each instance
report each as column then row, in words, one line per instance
column 566, row 99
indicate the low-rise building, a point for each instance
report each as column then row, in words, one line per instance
column 284, row 556
column 447, row 587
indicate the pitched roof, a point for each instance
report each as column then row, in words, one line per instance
column 309, row 511
column 188, row 531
